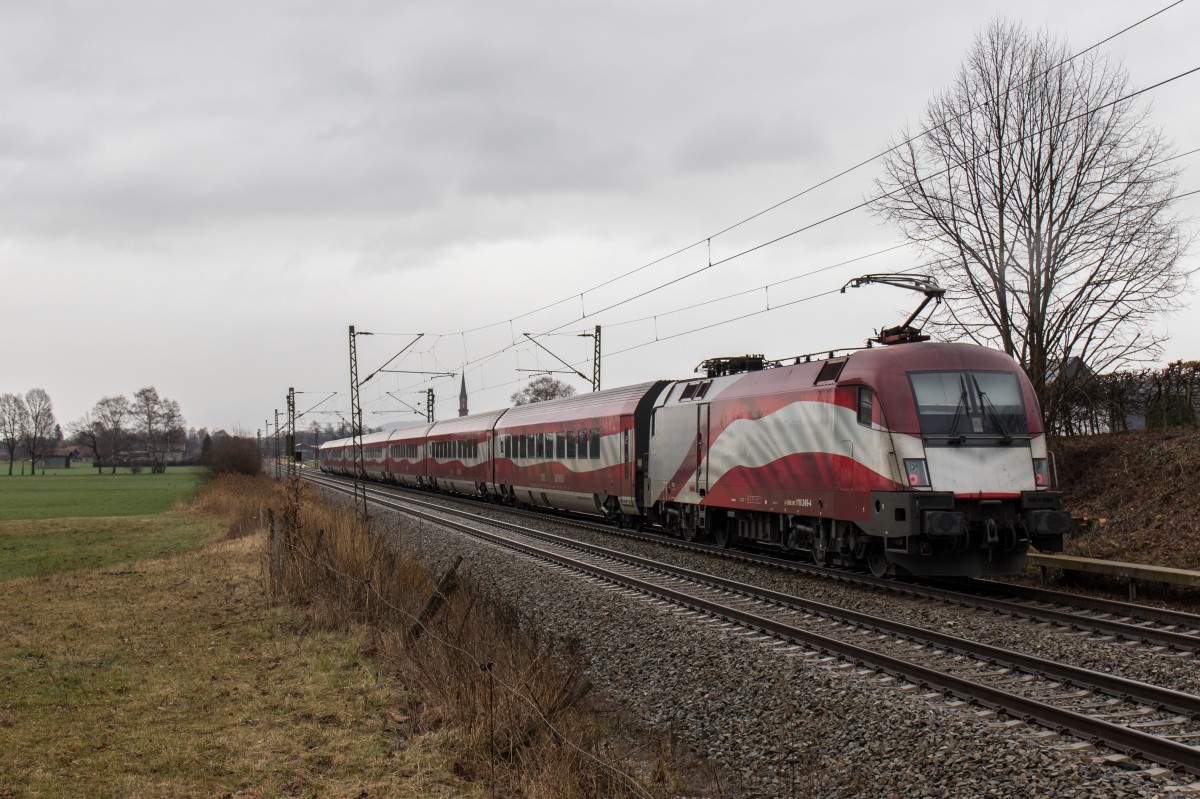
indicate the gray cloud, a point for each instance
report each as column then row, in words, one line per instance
column 348, row 160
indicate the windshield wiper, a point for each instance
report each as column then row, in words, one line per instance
column 962, row 403
column 1006, row 437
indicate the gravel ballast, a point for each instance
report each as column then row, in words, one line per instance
column 787, row 724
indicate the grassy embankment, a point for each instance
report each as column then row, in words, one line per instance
column 177, row 676
column 184, row 676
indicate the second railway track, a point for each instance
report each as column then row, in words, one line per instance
column 1150, row 626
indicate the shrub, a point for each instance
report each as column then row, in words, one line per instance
column 235, row 455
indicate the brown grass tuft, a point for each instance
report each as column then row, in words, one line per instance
column 527, row 727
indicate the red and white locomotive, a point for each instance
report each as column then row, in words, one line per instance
column 924, row 458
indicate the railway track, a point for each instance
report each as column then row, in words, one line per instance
column 1160, row 630
column 1132, row 717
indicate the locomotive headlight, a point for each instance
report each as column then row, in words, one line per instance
column 1041, row 472
column 917, row 472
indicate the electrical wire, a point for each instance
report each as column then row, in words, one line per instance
column 707, row 240
column 925, row 132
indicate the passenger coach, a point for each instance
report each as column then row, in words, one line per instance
column 584, row 453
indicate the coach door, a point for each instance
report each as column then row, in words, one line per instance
column 700, row 482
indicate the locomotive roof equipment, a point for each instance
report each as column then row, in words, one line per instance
column 903, row 333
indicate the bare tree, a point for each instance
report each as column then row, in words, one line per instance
column 159, row 424
column 37, row 434
column 541, row 389
column 13, row 419
column 1042, row 200
column 86, row 433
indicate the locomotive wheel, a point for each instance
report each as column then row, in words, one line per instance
column 877, row 561
column 724, row 537
column 689, row 533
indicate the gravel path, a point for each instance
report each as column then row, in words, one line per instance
column 786, row 724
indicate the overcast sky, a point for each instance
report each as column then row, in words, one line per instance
column 204, row 196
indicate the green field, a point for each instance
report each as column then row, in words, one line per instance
column 84, row 492
column 78, row 519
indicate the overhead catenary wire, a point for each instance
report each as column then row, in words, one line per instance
column 877, row 197
column 479, row 361
column 843, row 212
column 707, row 240
column 659, row 338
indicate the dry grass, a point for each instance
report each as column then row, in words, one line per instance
column 188, row 677
column 1139, row 493
column 181, row 678
column 521, row 729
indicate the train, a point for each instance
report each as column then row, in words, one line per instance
column 926, row 458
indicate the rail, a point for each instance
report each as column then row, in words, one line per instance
column 968, row 685
column 1133, row 572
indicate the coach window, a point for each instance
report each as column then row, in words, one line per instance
column 570, row 444
column 595, row 442
column 865, row 400
column 560, row 446
column 540, row 440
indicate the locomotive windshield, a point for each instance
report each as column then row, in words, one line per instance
column 962, row 404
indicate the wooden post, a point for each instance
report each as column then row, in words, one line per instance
column 274, row 535
column 445, row 587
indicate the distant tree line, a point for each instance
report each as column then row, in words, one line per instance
column 27, row 426
column 142, row 430
column 1130, row 399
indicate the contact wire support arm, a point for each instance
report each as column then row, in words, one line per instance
column 904, row 332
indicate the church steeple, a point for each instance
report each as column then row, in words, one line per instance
column 462, row 397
